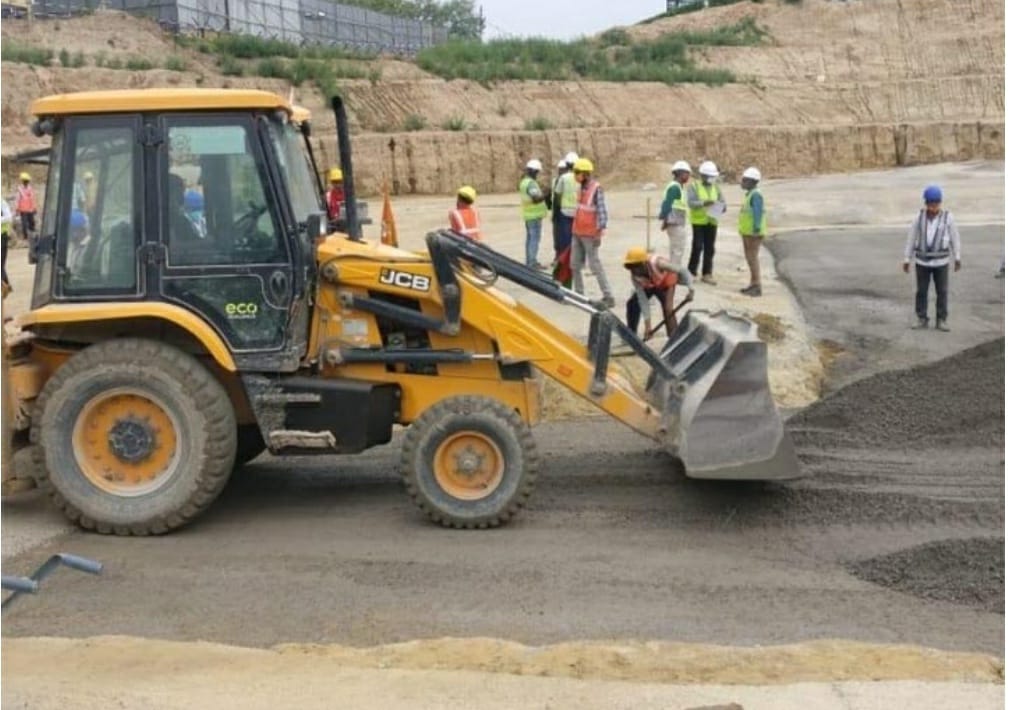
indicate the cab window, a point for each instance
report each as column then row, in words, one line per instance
column 97, row 225
column 217, row 207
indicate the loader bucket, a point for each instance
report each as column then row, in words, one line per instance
column 720, row 417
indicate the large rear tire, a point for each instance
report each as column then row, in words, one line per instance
column 135, row 437
column 469, row 462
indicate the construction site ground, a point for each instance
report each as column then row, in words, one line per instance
column 620, row 579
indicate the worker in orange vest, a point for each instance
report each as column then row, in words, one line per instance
column 589, row 224
column 653, row 276
column 25, row 208
column 335, row 194
column 464, row 218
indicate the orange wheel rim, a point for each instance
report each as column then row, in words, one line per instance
column 126, row 442
column 468, row 465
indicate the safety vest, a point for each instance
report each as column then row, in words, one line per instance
column 26, row 199
column 746, row 226
column 529, row 209
column 939, row 247
column 585, row 221
column 465, row 221
column 656, row 278
column 568, row 194
column 704, row 193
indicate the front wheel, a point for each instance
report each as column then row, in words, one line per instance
column 469, row 462
column 136, row 437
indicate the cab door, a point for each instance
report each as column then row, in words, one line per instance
column 224, row 253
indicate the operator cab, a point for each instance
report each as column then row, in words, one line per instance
column 205, row 199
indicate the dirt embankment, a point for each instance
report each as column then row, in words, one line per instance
column 836, row 87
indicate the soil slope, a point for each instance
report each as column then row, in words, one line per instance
column 837, row 87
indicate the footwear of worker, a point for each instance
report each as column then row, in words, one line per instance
column 708, row 279
column 753, row 290
column 941, row 325
column 922, row 324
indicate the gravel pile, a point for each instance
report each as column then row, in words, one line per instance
column 968, row 572
column 956, row 402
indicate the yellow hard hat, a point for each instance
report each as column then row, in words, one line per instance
column 636, row 255
column 335, row 175
column 583, row 165
column 468, row 193
column 24, row 176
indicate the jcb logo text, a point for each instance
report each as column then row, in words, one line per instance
column 403, row 279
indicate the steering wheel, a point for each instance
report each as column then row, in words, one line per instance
column 247, row 222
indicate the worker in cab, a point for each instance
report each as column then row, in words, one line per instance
column 25, row 209
column 653, row 276
column 464, row 217
column 335, row 194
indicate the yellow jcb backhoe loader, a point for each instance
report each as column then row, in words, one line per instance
column 189, row 311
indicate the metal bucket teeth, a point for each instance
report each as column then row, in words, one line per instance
column 720, row 417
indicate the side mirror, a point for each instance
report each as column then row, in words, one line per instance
column 316, row 227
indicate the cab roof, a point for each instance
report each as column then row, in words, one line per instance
column 137, row 100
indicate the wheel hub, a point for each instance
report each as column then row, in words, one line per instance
column 132, row 440
column 468, row 465
column 469, row 462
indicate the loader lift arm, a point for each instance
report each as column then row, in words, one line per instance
column 708, row 400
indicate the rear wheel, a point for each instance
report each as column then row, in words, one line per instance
column 469, row 462
column 135, row 436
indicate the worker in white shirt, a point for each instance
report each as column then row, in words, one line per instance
column 932, row 242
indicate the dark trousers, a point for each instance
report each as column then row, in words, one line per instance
column 665, row 297
column 4, row 241
column 28, row 232
column 704, row 236
column 941, row 276
column 562, row 233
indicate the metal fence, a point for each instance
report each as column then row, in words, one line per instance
column 296, row 21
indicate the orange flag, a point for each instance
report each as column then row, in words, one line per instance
column 388, row 228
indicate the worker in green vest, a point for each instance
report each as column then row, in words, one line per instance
column 533, row 211
column 705, row 204
column 675, row 211
column 752, row 228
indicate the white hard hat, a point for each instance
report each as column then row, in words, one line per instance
column 534, row 164
column 682, row 165
column 708, row 168
column 570, row 158
column 751, row 173
column 562, row 164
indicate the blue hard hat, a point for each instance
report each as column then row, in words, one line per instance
column 78, row 219
column 933, row 193
column 193, row 200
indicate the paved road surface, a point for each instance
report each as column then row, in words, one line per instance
column 851, row 288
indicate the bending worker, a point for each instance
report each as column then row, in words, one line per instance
column 653, row 276
column 464, row 217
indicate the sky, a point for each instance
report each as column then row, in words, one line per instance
column 562, row 19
